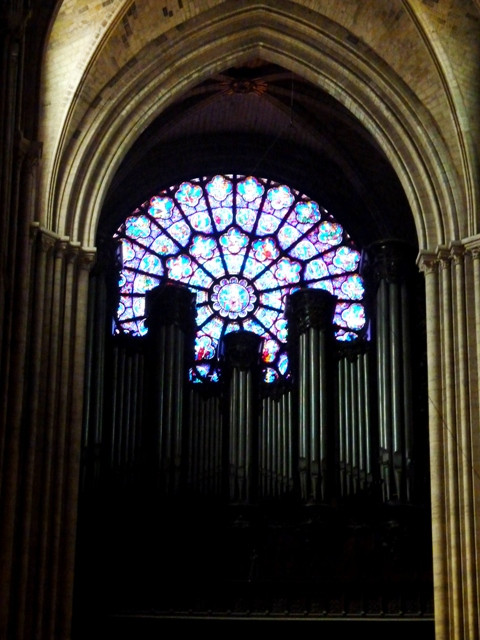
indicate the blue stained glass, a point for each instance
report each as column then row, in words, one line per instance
column 353, row 288
column 200, row 221
column 241, row 268
column 252, row 268
column 250, row 189
column 270, row 375
column 272, row 299
column 267, row 224
column 303, row 250
column 200, row 278
column 270, row 349
column 266, row 281
column 144, row 283
column 204, row 348
column 330, row 233
column 215, row 266
column 345, row 259
column 234, row 240
column 316, row 269
column 151, row 264
column 203, row 313
column 214, row 327
column 287, row 236
column 283, row 363
column 179, row 268
column 287, row 271
column 223, row 217
column 161, row 207
column 246, row 218
column 346, row 336
column 189, row 194
column 265, row 250
column 267, row 317
column 138, row 227
column 234, row 263
column 219, row 188
column 164, row 246
column 253, row 326
column 203, row 247
column 280, row 197
column 307, row 212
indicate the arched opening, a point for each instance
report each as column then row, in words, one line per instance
column 239, row 553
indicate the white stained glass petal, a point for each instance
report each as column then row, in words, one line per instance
column 250, row 189
column 189, row 194
column 265, row 250
column 219, row 188
column 307, row 212
column 270, row 349
column 161, row 207
column 280, row 197
column 287, row 236
column 287, row 271
column 330, row 233
column 353, row 288
column 180, row 268
column 350, row 315
column 345, row 259
column 283, row 363
column 138, row 227
column 203, row 248
column 233, row 241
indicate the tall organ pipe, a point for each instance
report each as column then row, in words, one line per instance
column 240, row 352
column 310, row 314
column 170, row 311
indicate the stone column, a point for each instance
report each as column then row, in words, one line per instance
column 170, row 311
column 453, row 295
column 240, row 354
column 310, row 316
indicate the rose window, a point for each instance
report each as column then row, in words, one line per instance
column 242, row 244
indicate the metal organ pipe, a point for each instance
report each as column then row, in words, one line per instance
column 310, row 313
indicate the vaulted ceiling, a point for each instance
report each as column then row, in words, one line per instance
column 191, row 88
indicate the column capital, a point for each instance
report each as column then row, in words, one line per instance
column 241, row 349
column 307, row 308
column 389, row 260
column 170, row 304
column 428, row 262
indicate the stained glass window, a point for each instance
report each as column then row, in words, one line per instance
column 241, row 244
